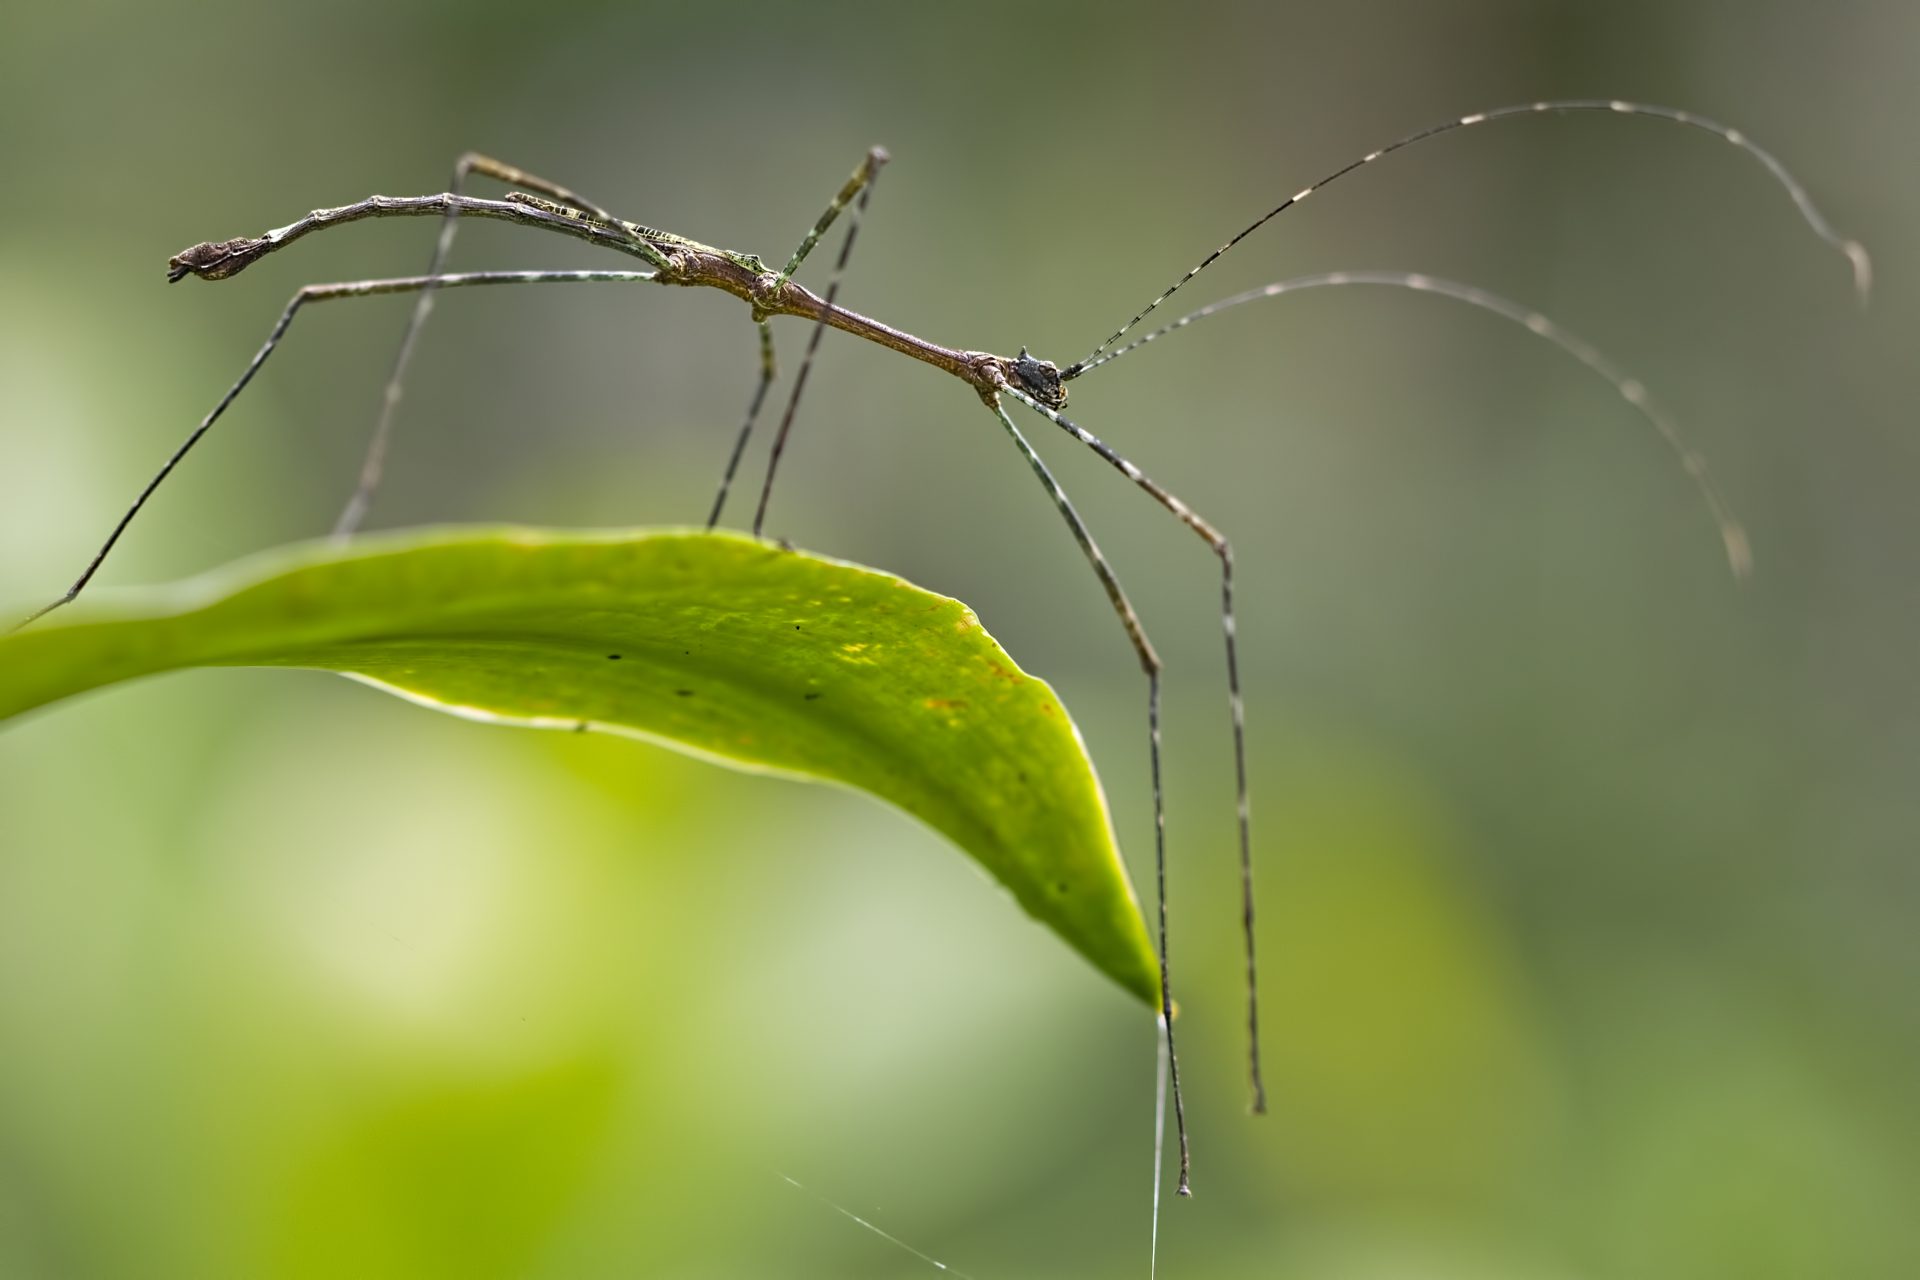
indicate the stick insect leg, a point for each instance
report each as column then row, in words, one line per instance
column 373, row 464
column 767, row 371
column 1151, row 665
column 1223, row 549
column 317, row 293
column 1733, row 537
column 855, row 186
column 862, row 178
column 861, row 185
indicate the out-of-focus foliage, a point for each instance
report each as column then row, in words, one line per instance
column 1587, row 876
column 724, row 646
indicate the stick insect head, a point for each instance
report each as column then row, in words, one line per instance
column 1039, row 379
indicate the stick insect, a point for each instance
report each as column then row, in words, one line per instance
column 1037, row 385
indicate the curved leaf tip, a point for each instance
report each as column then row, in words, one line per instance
column 712, row 643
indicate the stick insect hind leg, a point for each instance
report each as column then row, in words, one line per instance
column 373, row 464
column 316, row 293
column 474, row 162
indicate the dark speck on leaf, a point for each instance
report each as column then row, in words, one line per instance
column 812, row 696
column 683, row 693
column 613, row 657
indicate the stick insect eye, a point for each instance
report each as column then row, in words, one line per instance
column 1041, row 380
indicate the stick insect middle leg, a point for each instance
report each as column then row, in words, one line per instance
column 767, row 371
column 859, row 185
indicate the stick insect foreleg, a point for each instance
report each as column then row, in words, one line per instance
column 319, row 293
column 1151, row 665
column 1223, row 549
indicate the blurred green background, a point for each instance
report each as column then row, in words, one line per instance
column 1588, row 876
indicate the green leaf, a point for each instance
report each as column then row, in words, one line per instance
column 713, row 643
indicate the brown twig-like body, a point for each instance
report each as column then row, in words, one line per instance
column 676, row 261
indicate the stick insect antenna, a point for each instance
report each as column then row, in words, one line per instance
column 861, row 184
column 1855, row 252
column 1733, row 535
